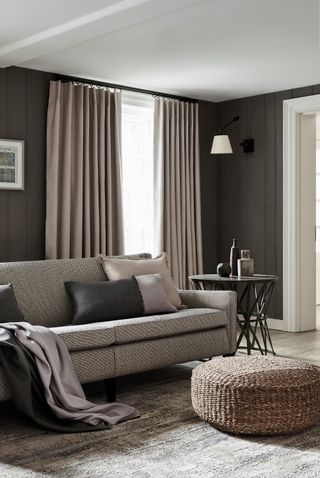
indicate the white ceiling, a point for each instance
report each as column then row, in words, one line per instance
column 213, row 50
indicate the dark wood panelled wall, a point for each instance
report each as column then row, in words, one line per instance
column 23, row 107
column 241, row 193
column 250, row 185
column 208, row 122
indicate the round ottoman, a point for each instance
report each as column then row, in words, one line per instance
column 257, row 394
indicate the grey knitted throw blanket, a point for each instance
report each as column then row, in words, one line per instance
column 44, row 383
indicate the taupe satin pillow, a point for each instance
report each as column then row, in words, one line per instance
column 116, row 269
column 154, row 295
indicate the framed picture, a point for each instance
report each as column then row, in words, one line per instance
column 11, row 164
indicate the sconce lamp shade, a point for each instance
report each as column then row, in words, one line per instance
column 221, row 144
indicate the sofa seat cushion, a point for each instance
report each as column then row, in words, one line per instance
column 103, row 334
column 86, row 336
column 176, row 323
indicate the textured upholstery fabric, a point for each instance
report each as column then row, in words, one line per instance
column 39, row 286
column 177, row 323
column 222, row 300
column 140, row 356
column 102, row 334
column 86, row 336
column 93, row 365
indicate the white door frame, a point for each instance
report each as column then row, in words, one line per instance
column 295, row 286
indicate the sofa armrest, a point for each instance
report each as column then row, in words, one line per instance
column 221, row 300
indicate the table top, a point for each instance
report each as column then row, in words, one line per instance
column 217, row 278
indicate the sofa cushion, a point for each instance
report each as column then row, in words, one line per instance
column 116, row 269
column 102, row 334
column 118, row 299
column 154, row 295
column 86, row 336
column 177, row 323
column 106, row 300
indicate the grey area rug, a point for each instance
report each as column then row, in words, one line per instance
column 167, row 441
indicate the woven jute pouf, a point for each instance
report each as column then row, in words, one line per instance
column 257, row 395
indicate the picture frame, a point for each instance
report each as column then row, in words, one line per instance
column 11, row 164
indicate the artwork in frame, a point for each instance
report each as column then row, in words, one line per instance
column 11, row 164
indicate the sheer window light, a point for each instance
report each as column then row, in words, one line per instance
column 137, row 172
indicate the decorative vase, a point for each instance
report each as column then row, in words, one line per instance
column 245, row 264
column 223, row 269
column 234, row 256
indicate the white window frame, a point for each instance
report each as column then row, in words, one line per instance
column 145, row 105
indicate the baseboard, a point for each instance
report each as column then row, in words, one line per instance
column 275, row 324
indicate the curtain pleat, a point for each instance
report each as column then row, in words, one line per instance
column 177, row 187
column 84, row 205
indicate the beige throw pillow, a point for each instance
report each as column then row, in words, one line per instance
column 116, row 269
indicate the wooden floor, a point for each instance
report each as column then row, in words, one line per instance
column 302, row 345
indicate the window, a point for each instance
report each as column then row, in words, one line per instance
column 137, row 172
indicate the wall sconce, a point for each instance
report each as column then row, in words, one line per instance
column 221, row 142
column 248, row 145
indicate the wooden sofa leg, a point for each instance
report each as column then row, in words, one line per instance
column 111, row 389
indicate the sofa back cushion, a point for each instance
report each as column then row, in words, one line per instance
column 40, row 290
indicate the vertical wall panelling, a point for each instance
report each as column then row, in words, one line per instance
column 23, row 105
column 16, row 117
column 254, row 213
column 228, row 219
column 37, row 98
column 4, row 197
column 209, row 182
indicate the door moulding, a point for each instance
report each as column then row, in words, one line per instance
column 295, row 278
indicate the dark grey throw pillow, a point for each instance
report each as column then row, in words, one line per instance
column 103, row 301
column 119, row 299
column 9, row 308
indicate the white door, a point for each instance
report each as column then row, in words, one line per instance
column 299, row 213
column 308, row 220
column 318, row 210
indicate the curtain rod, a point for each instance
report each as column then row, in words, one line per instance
column 65, row 78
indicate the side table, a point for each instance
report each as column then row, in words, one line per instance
column 253, row 299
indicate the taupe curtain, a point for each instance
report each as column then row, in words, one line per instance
column 177, row 191
column 84, row 210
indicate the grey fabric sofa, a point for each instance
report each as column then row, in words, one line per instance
column 105, row 350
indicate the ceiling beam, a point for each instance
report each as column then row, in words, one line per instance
column 117, row 16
